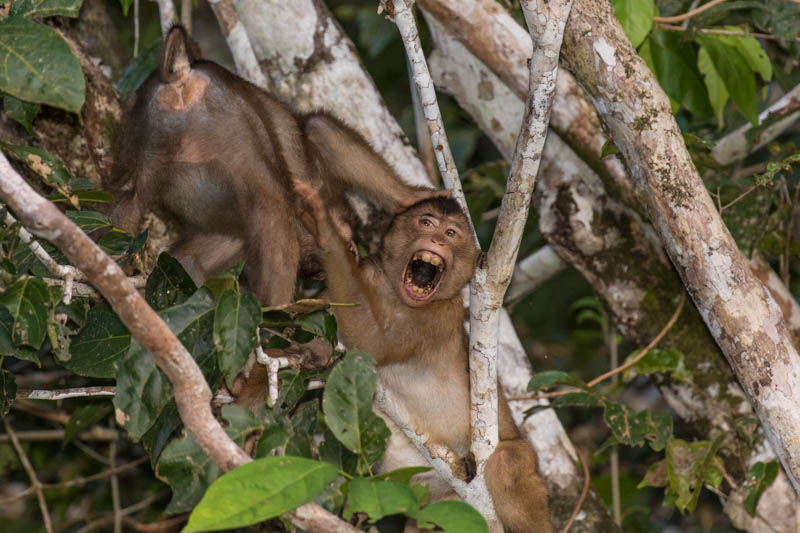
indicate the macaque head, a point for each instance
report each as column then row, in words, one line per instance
column 428, row 252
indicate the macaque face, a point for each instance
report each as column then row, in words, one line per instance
column 428, row 252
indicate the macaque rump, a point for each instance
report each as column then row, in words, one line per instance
column 409, row 316
column 215, row 155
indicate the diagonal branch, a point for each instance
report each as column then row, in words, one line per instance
column 192, row 393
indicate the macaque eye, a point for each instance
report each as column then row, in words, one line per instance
column 451, row 233
column 426, row 222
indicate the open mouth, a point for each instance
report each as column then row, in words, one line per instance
column 422, row 275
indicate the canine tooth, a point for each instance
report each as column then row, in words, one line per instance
column 435, row 261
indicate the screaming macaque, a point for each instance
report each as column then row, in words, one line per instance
column 216, row 154
column 409, row 316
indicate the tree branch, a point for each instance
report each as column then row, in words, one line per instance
column 192, row 394
column 740, row 313
column 533, row 271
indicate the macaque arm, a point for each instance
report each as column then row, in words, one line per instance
column 348, row 282
column 349, row 159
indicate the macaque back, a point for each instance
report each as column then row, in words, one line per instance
column 215, row 154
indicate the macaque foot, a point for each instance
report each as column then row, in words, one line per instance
column 314, row 212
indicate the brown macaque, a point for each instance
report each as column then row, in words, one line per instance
column 215, row 154
column 409, row 316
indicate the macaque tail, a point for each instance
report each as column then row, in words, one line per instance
column 180, row 52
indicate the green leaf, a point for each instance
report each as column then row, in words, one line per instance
column 46, row 165
column 103, row 342
column 320, row 324
column 38, row 66
column 578, row 399
column 688, row 466
column 636, row 18
column 292, row 437
column 658, row 361
column 656, row 475
column 347, row 403
column 8, row 391
column 452, row 517
column 83, row 417
column 126, row 4
column 139, row 68
column 45, row 8
column 759, row 477
column 189, row 471
column 332, row 451
column 89, row 221
column 735, row 73
column 751, row 51
column 717, row 93
column 632, row 429
column 379, row 498
column 259, row 490
column 402, row 475
column 168, row 284
column 675, row 66
column 235, row 326
column 549, row 378
column 27, row 301
column 293, row 386
column 22, row 112
column 143, row 391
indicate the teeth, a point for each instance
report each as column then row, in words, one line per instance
column 426, row 257
column 435, row 260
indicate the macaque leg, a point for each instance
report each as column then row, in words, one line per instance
column 203, row 255
column 273, row 257
column 512, row 476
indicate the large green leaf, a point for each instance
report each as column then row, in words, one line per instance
column 45, row 8
column 636, row 18
column 659, row 361
column 751, row 51
column 36, row 65
column 675, row 66
column 100, row 345
column 736, row 74
column 379, row 498
column 7, row 346
column 689, row 467
column 168, row 284
column 717, row 93
column 8, row 391
column 292, row 437
column 235, row 331
column 549, row 378
column 143, row 391
column 27, row 301
column 453, row 517
column 189, row 471
column 347, row 403
column 259, row 490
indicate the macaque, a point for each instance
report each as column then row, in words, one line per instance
column 409, row 317
column 215, row 154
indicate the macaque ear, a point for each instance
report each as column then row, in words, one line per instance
column 180, row 51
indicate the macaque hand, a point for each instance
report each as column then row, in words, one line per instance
column 313, row 214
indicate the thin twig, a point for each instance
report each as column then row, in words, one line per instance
column 115, row 506
column 742, row 195
column 96, row 433
column 619, row 369
column 735, row 33
column 37, row 486
column 584, row 492
column 18, row 496
column 62, row 394
column 81, row 481
column 688, row 14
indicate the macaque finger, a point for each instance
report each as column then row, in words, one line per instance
column 421, row 195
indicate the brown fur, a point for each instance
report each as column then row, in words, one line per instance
column 421, row 348
column 215, row 154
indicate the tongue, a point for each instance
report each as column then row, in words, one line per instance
column 422, row 272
